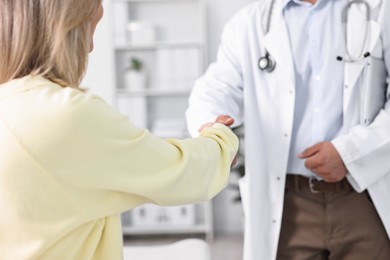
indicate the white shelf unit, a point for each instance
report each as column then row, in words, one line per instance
column 172, row 60
column 202, row 224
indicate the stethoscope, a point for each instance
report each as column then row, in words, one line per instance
column 267, row 64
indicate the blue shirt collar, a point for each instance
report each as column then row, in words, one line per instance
column 286, row 2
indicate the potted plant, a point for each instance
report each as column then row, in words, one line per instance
column 135, row 76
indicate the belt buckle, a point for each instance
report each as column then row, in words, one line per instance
column 311, row 186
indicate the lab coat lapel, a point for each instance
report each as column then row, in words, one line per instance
column 277, row 42
column 356, row 26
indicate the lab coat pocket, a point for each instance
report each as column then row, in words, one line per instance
column 373, row 89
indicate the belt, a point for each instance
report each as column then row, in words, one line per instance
column 299, row 182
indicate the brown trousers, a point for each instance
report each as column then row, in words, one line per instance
column 334, row 224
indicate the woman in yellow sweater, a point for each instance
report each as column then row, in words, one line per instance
column 69, row 163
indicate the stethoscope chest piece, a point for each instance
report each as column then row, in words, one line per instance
column 266, row 64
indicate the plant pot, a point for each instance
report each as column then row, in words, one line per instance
column 135, row 80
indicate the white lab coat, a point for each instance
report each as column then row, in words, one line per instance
column 234, row 84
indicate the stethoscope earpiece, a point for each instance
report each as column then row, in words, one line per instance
column 365, row 55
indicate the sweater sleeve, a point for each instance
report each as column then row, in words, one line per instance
column 108, row 165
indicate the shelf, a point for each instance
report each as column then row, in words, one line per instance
column 169, row 229
column 173, row 59
column 152, row 93
column 153, row 46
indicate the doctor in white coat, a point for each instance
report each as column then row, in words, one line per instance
column 309, row 101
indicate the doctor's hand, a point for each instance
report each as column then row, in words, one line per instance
column 324, row 160
column 223, row 119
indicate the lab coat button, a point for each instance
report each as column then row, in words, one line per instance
column 285, row 135
column 274, row 221
column 346, row 86
column 278, row 178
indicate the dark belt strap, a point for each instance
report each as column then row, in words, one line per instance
column 299, row 182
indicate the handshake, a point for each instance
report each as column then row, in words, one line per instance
column 222, row 119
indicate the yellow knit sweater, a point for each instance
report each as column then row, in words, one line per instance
column 70, row 164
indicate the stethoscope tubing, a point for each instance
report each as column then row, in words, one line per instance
column 344, row 18
column 266, row 63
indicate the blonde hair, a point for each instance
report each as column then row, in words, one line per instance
column 49, row 38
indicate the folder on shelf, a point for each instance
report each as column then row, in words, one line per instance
column 135, row 108
column 177, row 68
column 165, row 68
column 188, row 67
column 194, row 72
column 182, row 66
column 120, row 21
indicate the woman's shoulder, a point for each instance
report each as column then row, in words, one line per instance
column 36, row 89
column 37, row 107
column 36, row 93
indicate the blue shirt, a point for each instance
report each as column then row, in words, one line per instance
column 316, row 37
